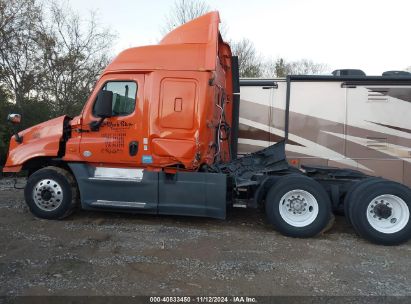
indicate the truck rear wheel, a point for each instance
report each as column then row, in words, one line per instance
column 354, row 191
column 298, row 206
column 381, row 213
column 51, row 193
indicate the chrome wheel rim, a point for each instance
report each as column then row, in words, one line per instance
column 388, row 213
column 47, row 195
column 298, row 208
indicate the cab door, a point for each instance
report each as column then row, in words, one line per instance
column 119, row 138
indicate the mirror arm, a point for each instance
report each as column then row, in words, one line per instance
column 15, row 119
column 96, row 124
column 18, row 138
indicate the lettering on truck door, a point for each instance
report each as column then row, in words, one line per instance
column 120, row 138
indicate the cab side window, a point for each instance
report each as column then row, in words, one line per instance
column 124, row 96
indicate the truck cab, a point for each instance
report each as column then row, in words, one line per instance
column 168, row 100
column 157, row 115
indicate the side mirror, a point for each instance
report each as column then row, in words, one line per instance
column 15, row 119
column 104, row 104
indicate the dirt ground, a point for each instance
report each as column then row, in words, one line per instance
column 102, row 253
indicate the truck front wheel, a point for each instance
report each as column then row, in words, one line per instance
column 51, row 193
column 298, row 206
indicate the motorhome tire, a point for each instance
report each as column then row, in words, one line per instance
column 381, row 213
column 298, row 206
column 51, row 193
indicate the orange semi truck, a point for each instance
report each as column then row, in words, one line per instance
column 159, row 135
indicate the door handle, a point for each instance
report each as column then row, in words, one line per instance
column 133, row 148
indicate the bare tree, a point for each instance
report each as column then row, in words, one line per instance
column 307, row 67
column 50, row 59
column 19, row 56
column 184, row 11
column 250, row 63
column 408, row 69
column 281, row 68
column 75, row 51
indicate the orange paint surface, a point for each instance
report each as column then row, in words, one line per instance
column 40, row 140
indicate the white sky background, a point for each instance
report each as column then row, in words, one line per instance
column 374, row 36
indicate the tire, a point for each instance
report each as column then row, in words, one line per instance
column 298, row 206
column 381, row 213
column 357, row 193
column 354, row 191
column 51, row 193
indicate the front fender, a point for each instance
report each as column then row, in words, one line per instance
column 38, row 141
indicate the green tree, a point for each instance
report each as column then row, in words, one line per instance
column 35, row 112
column 282, row 69
column 5, row 129
column 19, row 56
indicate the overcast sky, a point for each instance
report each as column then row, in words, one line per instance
column 374, row 36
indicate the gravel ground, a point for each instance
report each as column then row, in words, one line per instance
column 102, row 253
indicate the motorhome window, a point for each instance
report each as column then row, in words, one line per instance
column 124, row 96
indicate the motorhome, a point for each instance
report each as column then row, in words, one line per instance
column 351, row 121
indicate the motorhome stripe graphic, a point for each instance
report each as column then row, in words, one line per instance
column 333, row 125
